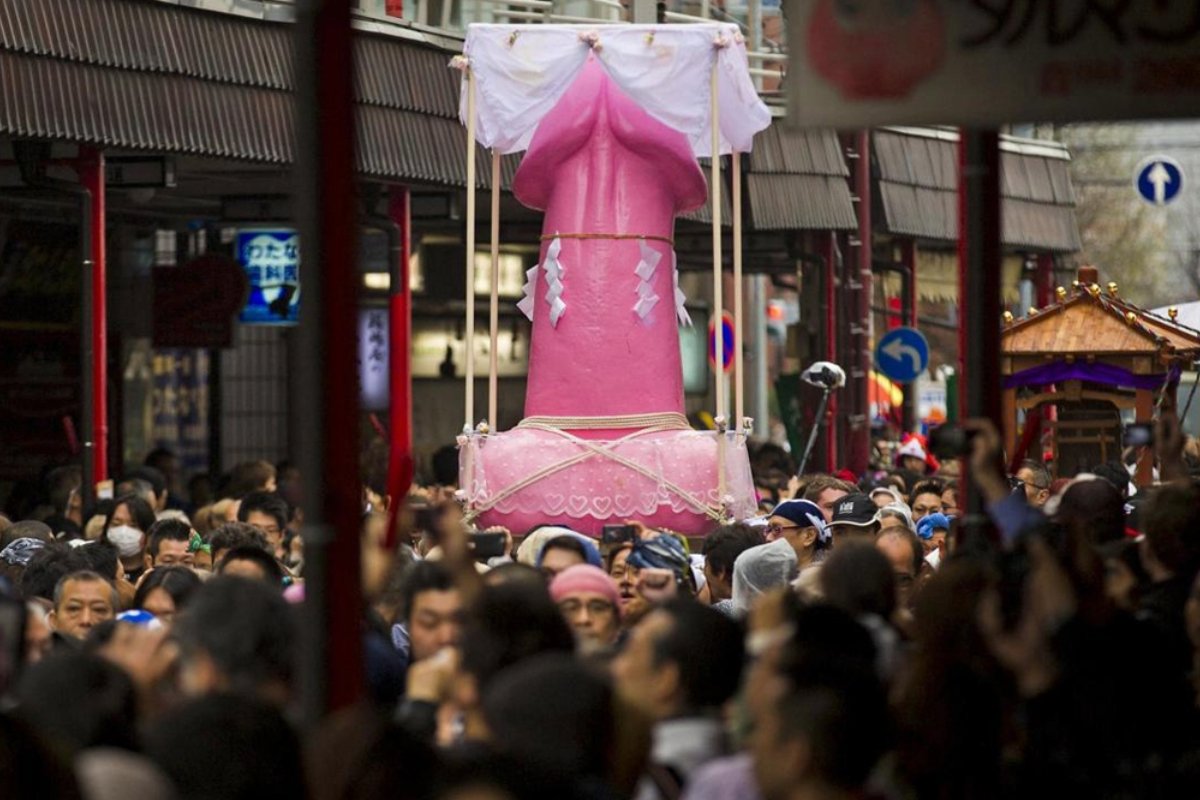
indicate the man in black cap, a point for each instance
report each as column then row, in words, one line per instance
column 855, row 519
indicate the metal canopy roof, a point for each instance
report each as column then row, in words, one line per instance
column 146, row 75
column 918, row 189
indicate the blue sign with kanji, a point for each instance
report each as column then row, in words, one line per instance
column 902, row 354
column 271, row 259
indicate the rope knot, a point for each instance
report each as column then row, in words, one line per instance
column 591, row 39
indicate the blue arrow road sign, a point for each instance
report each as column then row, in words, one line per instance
column 902, row 354
column 1158, row 180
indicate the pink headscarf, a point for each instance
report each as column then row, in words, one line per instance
column 585, row 578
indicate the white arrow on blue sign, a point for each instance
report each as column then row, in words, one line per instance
column 1158, row 179
column 902, row 354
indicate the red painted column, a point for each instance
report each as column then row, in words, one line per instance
column 400, row 461
column 857, row 456
column 91, row 175
column 829, row 253
column 908, row 255
column 1044, row 283
column 979, row 260
column 325, row 416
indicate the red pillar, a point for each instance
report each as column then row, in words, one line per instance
column 858, row 451
column 91, row 175
column 1144, row 413
column 400, row 461
column 829, row 254
column 325, row 416
column 1044, row 282
column 908, row 257
column 979, row 259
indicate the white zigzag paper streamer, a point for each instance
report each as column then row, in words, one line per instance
column 681, row 312
column 554, row 287
column 647, row 299
column 530, row 288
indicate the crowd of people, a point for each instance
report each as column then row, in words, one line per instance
column 864, row 637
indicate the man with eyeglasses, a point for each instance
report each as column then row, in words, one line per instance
column 268, row 512
column 1034, row 479
column 591, row 605
column 802, row 524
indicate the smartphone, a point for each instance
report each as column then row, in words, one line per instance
column 657, row 585
column 948, row 441
column 617, row 534
column 1140, row 434
column 485, row 545
column 13, row 616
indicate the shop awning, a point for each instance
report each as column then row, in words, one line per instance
column 918, row 189
column 145, row 75
column 795, row 180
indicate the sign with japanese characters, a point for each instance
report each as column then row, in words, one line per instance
column 990, row 62
column 271, row 259
column 179, row 405
column 194, row 303
column 373, row 356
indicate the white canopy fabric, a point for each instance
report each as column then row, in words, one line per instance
column 521, row 71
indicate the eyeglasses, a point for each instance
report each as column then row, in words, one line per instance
column 775, row 528
column 1017, row 483
column 595, row 608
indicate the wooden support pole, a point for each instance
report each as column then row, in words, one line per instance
column 469, row 401
column 494, row 307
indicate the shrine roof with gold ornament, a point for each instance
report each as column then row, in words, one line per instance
column 1087, row 319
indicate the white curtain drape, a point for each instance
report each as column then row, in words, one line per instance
column 521, row 71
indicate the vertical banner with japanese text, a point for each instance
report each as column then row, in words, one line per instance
column 373, row 358
column 179, row 405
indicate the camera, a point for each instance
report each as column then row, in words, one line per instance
column 950, row 441
column 1140, row 434
column 617, row 534
column 824, row 374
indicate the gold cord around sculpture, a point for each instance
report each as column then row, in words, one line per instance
column 667, row 239
column 670, row 420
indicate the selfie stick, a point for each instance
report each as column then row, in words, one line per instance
column 828, row 376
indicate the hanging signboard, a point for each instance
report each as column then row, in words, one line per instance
column 194, row 303
column 271, row 258
column 856, row 65
column 373, row 359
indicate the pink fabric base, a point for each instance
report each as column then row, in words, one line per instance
column 599, row 491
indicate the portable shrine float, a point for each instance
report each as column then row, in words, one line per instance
column 1074, row 366
column 612, row 120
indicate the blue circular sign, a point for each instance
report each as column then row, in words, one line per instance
column 726, row 342
column 902, row 354
column 1159, row 180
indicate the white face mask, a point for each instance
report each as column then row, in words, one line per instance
column 127, row 539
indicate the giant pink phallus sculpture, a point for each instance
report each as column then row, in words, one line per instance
column 605, row 438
